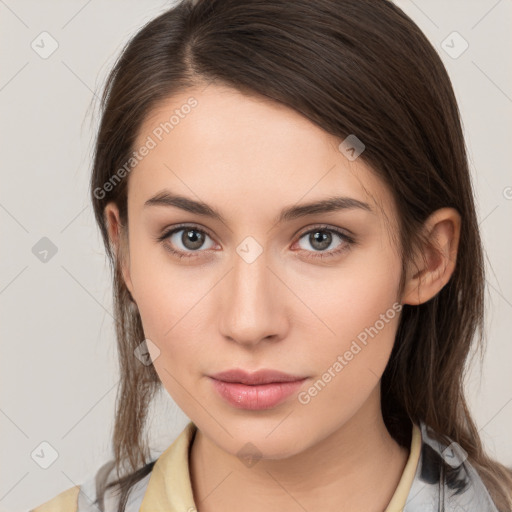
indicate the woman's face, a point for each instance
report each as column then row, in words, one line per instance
column 311, row 293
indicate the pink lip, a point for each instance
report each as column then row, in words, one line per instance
column 259, row 390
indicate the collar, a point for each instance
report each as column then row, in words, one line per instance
column 169, row 488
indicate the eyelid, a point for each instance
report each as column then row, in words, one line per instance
column 167, row 232
column 327, row 227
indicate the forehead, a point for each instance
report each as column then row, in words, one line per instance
column 221, row 146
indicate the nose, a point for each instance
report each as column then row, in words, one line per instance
column 253, row 308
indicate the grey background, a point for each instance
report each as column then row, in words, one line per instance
column 58, row 366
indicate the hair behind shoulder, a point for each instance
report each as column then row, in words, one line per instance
column 397, row 98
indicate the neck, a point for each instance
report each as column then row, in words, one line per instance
column 334, row 474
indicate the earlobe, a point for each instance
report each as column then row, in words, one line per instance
column 117, row 241
column 435, row 261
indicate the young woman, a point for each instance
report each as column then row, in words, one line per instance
column 283, row 191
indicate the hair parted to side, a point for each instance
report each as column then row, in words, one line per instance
column 344, row 65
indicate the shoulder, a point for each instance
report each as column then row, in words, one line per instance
column 66, row 501
column 84, row 497
column 93, row 496
column 445, row 479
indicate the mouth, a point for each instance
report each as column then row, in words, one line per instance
column 264, row 389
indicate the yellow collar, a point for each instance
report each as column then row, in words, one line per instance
column 169, row 488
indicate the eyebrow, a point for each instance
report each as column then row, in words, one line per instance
column 327, row 205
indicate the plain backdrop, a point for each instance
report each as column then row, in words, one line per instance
column 58, row 366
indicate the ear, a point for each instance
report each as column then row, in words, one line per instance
column 434, row 262
column 118, row 241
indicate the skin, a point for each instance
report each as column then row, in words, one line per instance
column 248, row 158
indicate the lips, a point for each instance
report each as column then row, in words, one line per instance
column 263, row 389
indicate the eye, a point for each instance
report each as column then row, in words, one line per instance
column 321, row 238
column 187, row 239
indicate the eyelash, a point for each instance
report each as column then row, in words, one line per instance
column 349, row 241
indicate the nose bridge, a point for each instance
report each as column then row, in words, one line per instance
column 250, row 312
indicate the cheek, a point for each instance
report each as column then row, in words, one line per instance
column 168, row 307
column 160, row 289
column 353, row 296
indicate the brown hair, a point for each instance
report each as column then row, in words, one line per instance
column 358, row 67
